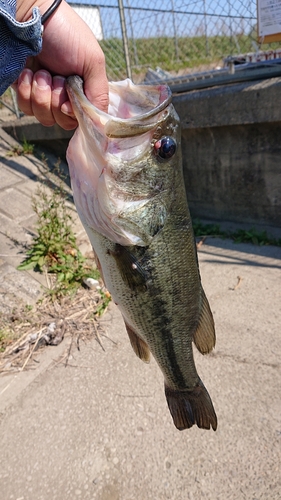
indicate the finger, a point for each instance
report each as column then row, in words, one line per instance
column 23, row 89
column 59, row 97
column 41, row 97
column 99, row 97
column 95, row 81
column 67, row 109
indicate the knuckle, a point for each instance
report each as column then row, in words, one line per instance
column 46, row 122
column 100, row 59
column 103, row 102
column 65, row 122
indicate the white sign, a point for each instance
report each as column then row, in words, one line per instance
column 91, row 15
column 269, row 17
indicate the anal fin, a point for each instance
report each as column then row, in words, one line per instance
column 205, row 337
column 139, row 346
column 190, row 407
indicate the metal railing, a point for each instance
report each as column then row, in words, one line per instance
column 9, row 101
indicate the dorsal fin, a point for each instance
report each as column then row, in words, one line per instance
column 205, row 336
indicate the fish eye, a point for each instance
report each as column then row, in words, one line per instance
column 165, row 148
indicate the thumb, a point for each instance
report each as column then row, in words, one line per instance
column 96, row 84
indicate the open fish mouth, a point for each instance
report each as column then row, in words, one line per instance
column 132, row 108
column 133, row 114
column 108, row 149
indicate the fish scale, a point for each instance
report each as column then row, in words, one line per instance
column 133, row 206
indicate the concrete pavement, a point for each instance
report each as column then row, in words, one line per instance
column 100, row 429
column 19, row 180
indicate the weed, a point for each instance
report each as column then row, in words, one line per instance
column 25, row 148
column 201, row 229
column 239, row 236
column 102, row 307
column 54, row 249
column 5, row 337
column 28, row 308
column 255, row 237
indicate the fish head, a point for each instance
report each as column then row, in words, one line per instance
column 122, row 163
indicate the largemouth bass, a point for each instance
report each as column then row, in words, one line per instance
column 127, row 181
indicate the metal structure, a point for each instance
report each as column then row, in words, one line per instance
column 228, row 75
column 178, row 36
column 9, row 101
column 199, row 41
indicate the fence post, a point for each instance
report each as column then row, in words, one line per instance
column 132, row 34
column 206, row 30
column 125, row 38
column 175, row 32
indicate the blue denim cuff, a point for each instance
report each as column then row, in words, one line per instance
column 17, row 42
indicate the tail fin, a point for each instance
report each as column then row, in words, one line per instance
column 191, row 407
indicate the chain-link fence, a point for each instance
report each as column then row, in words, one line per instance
column 177, row 36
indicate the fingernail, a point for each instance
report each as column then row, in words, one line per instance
column 58, row 83
column 26, row 77
column 43, row 79
column 66, row 108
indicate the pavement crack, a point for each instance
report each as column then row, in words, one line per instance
column 238, row 359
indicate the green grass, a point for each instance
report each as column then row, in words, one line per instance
column 252, row 235
column 25, row 148
column 161, row 51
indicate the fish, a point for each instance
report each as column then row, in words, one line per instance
column 127, row 181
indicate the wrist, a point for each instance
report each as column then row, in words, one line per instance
column 24, row 8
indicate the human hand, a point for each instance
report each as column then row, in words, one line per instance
column 69, row 47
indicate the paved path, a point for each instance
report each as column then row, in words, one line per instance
column 100, row 428
column 19, row 180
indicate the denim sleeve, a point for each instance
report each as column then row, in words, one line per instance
column 17, row 42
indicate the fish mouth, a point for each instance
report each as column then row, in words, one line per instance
column 112, row 162
column 133, row 109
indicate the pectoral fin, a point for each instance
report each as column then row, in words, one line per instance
column 98, row 264
column 205, row 337
column 139, row 346
column 130, row 268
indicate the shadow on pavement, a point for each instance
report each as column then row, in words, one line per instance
column 243, row 253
